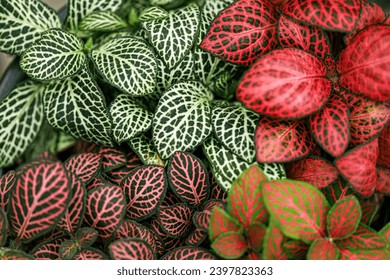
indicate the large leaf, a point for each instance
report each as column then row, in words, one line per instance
column 3, row 228
column 333, row 15
column 243, row 31
column 230, row 245
column 299, row 209
column 39, row 199
column 322, row 249
column 85, row 166
column 131, row 249
column 128, row 64
column 175, row 220
column 286, row 83
column 76, row 105
column 21, row 115
column 7, row 183
column 273, row 243
column 221, row 222
column 188, row 253
column 368, row 72
column 22, row 22
column 146, row 150
column 182, row 119
column 102, row 21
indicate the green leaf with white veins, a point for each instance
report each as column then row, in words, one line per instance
column 22, row 22
column 273, row 171
column 76, row 106
column 128, row 64
column 173, row 37
column 128, row 118
column 145, row 150
column 182, row 119
column 21, row 115
column 57, row 55
column 102, row 22
column 153, row 13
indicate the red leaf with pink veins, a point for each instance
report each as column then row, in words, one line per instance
column 322, row 249
column 286, row 83
column 315, row 171
column 243, row 31
column 188, row 253
column 364, row 65
column 282, row 141
column 333, row 15
column 7, row 182
column 384, row 148
column 383, row 180
column 85, row 166
column 309, row 38
column 358, row 167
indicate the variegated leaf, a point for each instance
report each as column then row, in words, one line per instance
column 273, row 243
column 67, row 250
column 145, row 149
column 224, row 85
column 14, row 255
column 85, row 237
column 48, row 250
column 76, row 105
column 128, row 64
column 90, row 254
column 189, row 253
column 230, row 245
column 182, row 119
column 167, row 4
column 153, row 13
column 22, row 22
column 221, row 222
column 322, row 249
column 175, row 220
column 131, row 249
column 273, row 171
column 21, row 115
column 102, row 21
column 7, row 183
column 3, row 228
column 85, row 166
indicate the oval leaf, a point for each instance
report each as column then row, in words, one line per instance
column 7, row 183
column 48, row 250
column 85, row 237
column 230, row 245
column 255, row 235
column 273, row 243
column 188, row 253
column 196, row 237
column 14, row 255
column 221, row 222
column 131, row 249
column 175, row 220
column 85, row 166
column 296, row 249
column 67, row 250
column 201, row 219
column 102, row 21
column 90, row 254
column 364, row 238
column 322, row 249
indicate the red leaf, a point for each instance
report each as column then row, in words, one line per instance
column 255, row 235
column 363, row 238
column 3, row 228
column 116, row 175
column 175, row 220
column 358, row 167
column 39, row 199
column 48, row 250
column 363, row 254
column 383, row 180
column 364, row 65
column 85, row 166
column 90, row 254
column 273, row 244
column 296, row 249
column 7, row 183
column 384, row 148
column 370, row 208
column 245, row 202
column 188, row 253
column 188, row 178
column 286, row 83
column 331, row 72
column 309, row 38
column 330, row 126
column 230, row 245
column 333, row 15
column 344, row 218
column 144, row 188
column 112, row 158
column 216, row 192
column 196, row 237
column 315, row 171
column 322, row 249
column 201, row 219
column 337, row 191
column 243, row 31
column 131, row 249
column 282, row 141
column 221, row 222
column 85, row 237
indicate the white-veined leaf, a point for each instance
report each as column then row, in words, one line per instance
column 173, row 37
column 145, row 150
column 234, row 127
column 21, row 115
column 128, row 118
column 182, row 119
column 102, row 22
column 153, row 13
column 76, row 106
column 22, row 22
column 57, row 55
column 167, row 4
column 128, row 64
column 273, row 171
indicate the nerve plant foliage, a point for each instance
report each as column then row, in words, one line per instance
column 166, row 129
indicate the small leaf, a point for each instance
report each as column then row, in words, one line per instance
column 145, row 149
column 7, row 183
column 175, row 220
column 86, row 236
column 188, row 253
column 196, row 237
column 90, row 254
column 3, row 228
column 103, row 21
column 273, row 243
column 322, row 249
column 230, row 245
column 255, row 235
column 85, row 166
column 131, row 249
column 221, row 222
column 67, row 250
column 363, row 238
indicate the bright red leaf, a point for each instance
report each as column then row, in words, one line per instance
column 221, row 222
column 273, row 243
column 322, row 249
column 230, row 245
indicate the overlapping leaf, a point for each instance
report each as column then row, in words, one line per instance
column 90, row 254
column 175, row 220
column 255, row 235
column 273, row 243
column 153, row 13
column 7, row 183
column 169, row 242
column 145, row 149
column 85, row 237
column 48, row 250
column 273, row 171
column 221, row 222
column 85, row 166
column 322, row 249
column 14, row 255
column 201, row 218
column 102, row 21
column 3, row 228
column 230, row 245
column 112, row 158
column 67, row 250
column 383, row 180
column 196, row 237
column 384, row 148
column 363, row 254
column 131, row 249
column 296, row 249
column 189, row 253
column 364, row 238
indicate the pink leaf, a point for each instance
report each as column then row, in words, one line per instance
column 112, row 158
column 363, row 238
column 90, row 254
column 221, row 222
column 48, row 250
column 196, row 237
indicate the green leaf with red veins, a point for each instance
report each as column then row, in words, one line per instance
column 364, row 254
column 14, row 255
column 3, row 228
column 364, row 238
column 336, row 191
column 297, row 207
column 322, row 249
column 245, row 202
column 68, row 249
column 273, row 243
column 385, row 233
column 344, row 218
column 221, row 222
column 86, row 236
column 255, row 235
column 296, row 249
column 230, row 245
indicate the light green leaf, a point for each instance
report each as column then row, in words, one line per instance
column 224, row 85
column 167, row 4
column 273, row 171
column 174, row 36
column 21, row 115
column 129, row 119
column 145, row 150
column 57, row 55
column 128, row 64
column 153, row 13
column 182, row 119
column 102, row 22
column 22, row 22
column 76, row 106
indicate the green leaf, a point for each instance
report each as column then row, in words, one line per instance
column 173, row 37
column 182, row 119
column 57, row 55
column 128, row 118
column 273, row 171
column 21, row 114
column 86, row 236
column 224, row 85
column 167, row 4
column 68, row 249
column 153, row 13
column 128, row 64
column 363, row 238
column 102, row 22
column 322, row 249
column 221, row 222
column 76, row 106
column 3, row 228
column 230, row 245
column 22, row 22
column 385, row 233
column 145, row 150
column 273, row 243
column 364, row 254
column 298, row 208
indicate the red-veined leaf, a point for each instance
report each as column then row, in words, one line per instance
column 337, row 191
column 117, row 175
column 315, row 171
column 344, row 218
column 201, row 218
column 296, row 249
column 370, row 208
column 385, row 233
column 7, row 182
column 169, row 242
column 3, row 228
column 243, row 32
column 299, row 209
column 112, row 158
column 39, row 199
column 330, row 126
column 105, row 209
column 188, row 178
column 67, row 250
column 175, row 220
column 14, row 255
column 384, row 148
column 85, row 166
column 230, row 245
column 364, row 65
column 131, row 249
column 216, row 191
column 253, row 256
column 322, row 249
column 144, row 189
column 48, row 250
column 96, row 182
column 90, row 254
column 221, row 222
column 387, row 20
column 170, row 199
column 255, row 235
column 383, row 180
column 282, row 141
column 85, row 236
column 363, row 254
column 286, row 83
column 363, row 238
column 196, row 237
column 330, row 63
column 333, row 15
column 188, row 253
column 245, row 202
column 358, row 167
column 273, row 243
